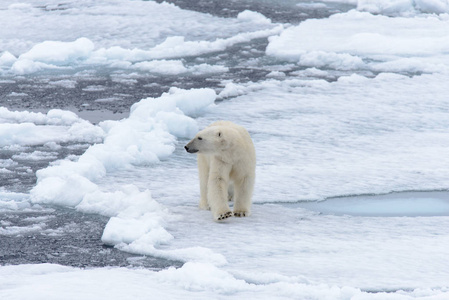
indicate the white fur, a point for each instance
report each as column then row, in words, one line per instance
column 227, row 168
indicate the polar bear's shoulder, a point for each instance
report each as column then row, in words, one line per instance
column 228, row 124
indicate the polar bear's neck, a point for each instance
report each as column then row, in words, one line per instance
column 226, row 156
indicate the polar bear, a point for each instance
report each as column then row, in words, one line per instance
column 227, row 168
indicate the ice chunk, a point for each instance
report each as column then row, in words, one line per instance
column 21, row 230
column 178, row 47
column 55, row 52
column 52, row 55
column 27, row 66
column 7, row 59
column 128, row 230
column 68, row 191
column 67, row 55
column 433, row 6
column 36, row 155
column 171, row 67
column 253, row 17
column 127, row 202
column 29, row 128
column 65, row 83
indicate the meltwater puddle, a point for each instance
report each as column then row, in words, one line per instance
column 409, row 204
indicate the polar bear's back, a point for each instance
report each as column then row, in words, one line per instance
column 225, row 123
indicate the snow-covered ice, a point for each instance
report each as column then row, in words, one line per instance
column 403, row 7
column 354, row 104
column 81, row 44
column 379, row 43
column 30, row 128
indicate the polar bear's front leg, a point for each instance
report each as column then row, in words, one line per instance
column 217, row 190
column 243, row 190
column 203, row 171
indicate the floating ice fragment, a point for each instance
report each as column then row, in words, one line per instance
column 253, row 16
column 66, row 83
column 35, row 156
column 68, row 191
column 167, row 67
column 55, row 52
column 7, row 59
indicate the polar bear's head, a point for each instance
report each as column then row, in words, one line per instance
column 213, row 139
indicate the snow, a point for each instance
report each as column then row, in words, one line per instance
column 365, row 114
column 379, row 43
column 346, row 140
column 53, row 282
column 403, row 7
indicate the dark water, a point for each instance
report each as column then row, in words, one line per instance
column 285, row 11
column 67, row 237
column 64, row 236
column 22, row 177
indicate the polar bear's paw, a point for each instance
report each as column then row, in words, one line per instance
column 241, row 213
column 221, row 217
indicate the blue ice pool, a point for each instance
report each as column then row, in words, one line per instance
column 412, row 204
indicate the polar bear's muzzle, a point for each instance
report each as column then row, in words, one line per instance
column 190, row 150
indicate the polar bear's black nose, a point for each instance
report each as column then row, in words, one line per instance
column 190, row 150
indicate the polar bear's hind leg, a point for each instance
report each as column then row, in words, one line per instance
column 242, row 198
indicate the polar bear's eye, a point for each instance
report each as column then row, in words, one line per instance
column 219, row 134
column 200, row 138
